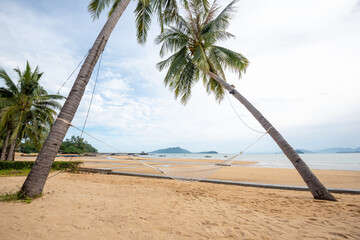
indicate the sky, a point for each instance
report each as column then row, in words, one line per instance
column 304, row 75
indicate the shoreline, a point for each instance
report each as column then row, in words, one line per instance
column 242, row 171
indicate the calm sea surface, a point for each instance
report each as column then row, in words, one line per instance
column 337, row 161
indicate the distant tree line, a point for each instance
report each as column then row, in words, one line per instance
column 76, row 145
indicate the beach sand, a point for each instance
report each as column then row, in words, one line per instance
column 96, row 206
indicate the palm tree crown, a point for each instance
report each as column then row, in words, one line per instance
column 192, row 40
column 26, row 106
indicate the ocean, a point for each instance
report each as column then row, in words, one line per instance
column 334, row 161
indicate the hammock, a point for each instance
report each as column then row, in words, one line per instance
column 193, row 173
column 197, row 173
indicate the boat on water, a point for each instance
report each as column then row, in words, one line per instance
column 162, row 155
column 207, row 156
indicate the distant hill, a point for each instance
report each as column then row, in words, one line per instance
column 339, row 150
column 180, row 150
column 330, row 150
column 171, row 150
column 301, row 151
column 349, row 152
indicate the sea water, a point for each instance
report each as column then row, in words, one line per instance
column 334, row 161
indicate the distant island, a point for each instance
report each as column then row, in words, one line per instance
column 171, row 150
column 299, row 151
column 180, row 150
column 330, row 150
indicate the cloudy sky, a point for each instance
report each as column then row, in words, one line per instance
column 304, row 75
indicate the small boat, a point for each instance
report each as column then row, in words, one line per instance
column 162, row 155
column 70, row 155
column 207, row 156
column 143, row 153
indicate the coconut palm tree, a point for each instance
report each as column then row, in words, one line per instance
column 192, row 40
column 27, row 109
column 166, row 11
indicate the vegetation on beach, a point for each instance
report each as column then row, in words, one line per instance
column 77, row 145
column 17, row 197
column 73, row 166
column 27, row 111
column 14, row 172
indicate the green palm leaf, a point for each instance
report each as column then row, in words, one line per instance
column 97, row 6
column 191, row 41
column 143, row 14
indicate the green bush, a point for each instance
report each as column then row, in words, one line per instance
column 17, row 165
column 76, row 145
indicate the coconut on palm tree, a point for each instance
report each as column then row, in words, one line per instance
column 27, row 110
column 166, row 11
column 192, row 40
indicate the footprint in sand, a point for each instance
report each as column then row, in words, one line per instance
column 276, row 211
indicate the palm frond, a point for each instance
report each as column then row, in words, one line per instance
column 176, row 66
column 51, row 96
column 170, row 10
column 211, row 38
column 143, row 14
column 6, row 102
column 112, row 9
column 230, row 59
column 210, row 13
column 186, row 80
column 221, row 22
column 8, row 82
column 200, row 59
column 97, row 6
column 172, row 40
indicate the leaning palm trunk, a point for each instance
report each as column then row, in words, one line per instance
column 3, row 152
column 317, row 189
column 34, row 183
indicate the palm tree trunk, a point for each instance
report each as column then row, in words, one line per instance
column 11, row 153
column 35, row 182
column 3, row 151
column 317, row 189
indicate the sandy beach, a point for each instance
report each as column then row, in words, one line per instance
column 97, row 206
